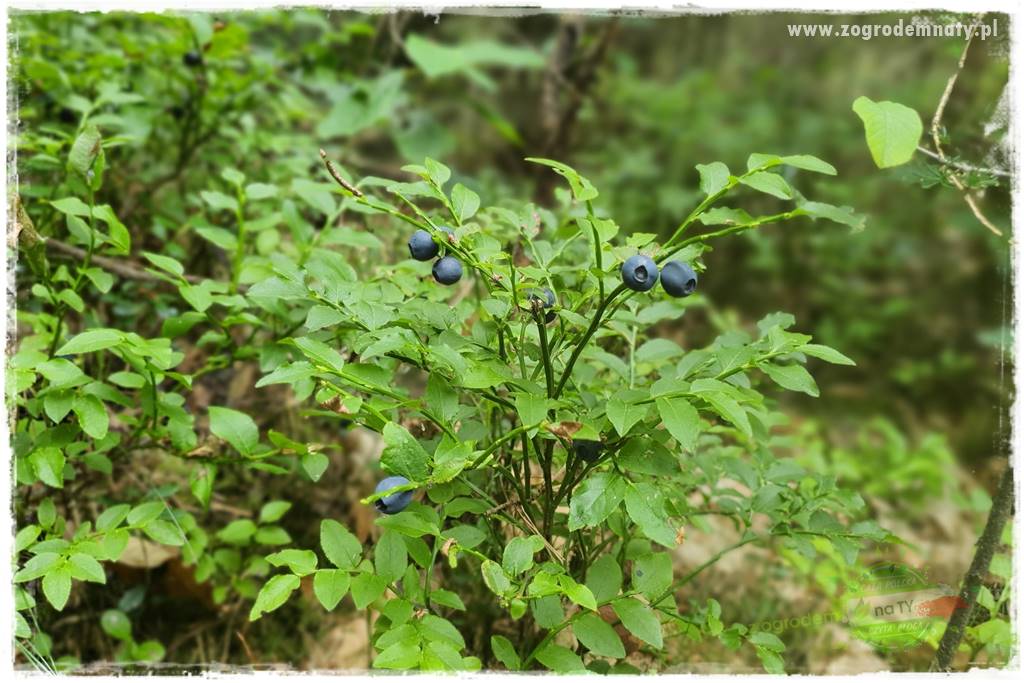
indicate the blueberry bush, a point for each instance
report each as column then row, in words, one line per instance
column 216, row 284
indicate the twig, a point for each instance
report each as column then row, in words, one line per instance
column 126, row 270
column 337, row 177
column 936, row 139
column 248, row 651
column 1002, row 506
column 959, row 165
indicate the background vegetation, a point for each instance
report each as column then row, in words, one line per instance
column 919, row 298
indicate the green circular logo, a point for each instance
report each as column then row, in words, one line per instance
column 893, row 607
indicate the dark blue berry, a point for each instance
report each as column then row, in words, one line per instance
column 639, row 273
column 447, row 270
column 678, row 278
column 396, row 502
column 588, row 450
column 547, row 299
column 422, row 246
column 192, row 58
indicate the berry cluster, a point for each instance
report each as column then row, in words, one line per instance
column 422, row 247
column 640, row 273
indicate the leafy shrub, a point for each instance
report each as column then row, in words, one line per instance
column 478, row 397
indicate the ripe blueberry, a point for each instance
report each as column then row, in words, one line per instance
column 192, row 58
column 447, row 270
column 547, row 300
column 639, row 273
column 422, row 246
column 678, row 278
column 588, row 450
column 396, row 502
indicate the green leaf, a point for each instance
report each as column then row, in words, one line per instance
column 560, row 659
column 767, row 640
column 57, row 586
column 92, row 415
column 640, row 620
column 235, row 427
column 652, row 574
column 405, row 654
column 728, row 409
column 48, row 463
column 505, row 652
column 809, row 163
column 532, row 408
column 722, row 215
column 116, row 624
column 623, row 414
column 713, row 177
column 300, row 562
column 646, row 508
column 892, row 130
column 165, row 263
column 366, row 588
column 273, row 594
column 465, row 202
column 315, row 464
column 597, row 497
column 288, row 373
column 403, row 454
column 91, row 340
column 143, row 513
column 165, row 532
column 390, row 557
column 436, row 59
column 792, row 377
column 330, row 586
column 518, row 555
column 86, row 148
column 342, row 549
column 598, row 636
column 238, row 532
column 320, row 353
column 85, row 568
column 582, row 189
column 201, row 481
column 681, row 420
column 604, row 578
column 578, row 593
column 219, row 201
column 321, row 316
column 60, row 372
column 495, row 577
column 36, row 566
column 317, row 195
column 844, row 215
column 57, row 404
column 825, row 353
column 273, row 511
column 769, row 183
